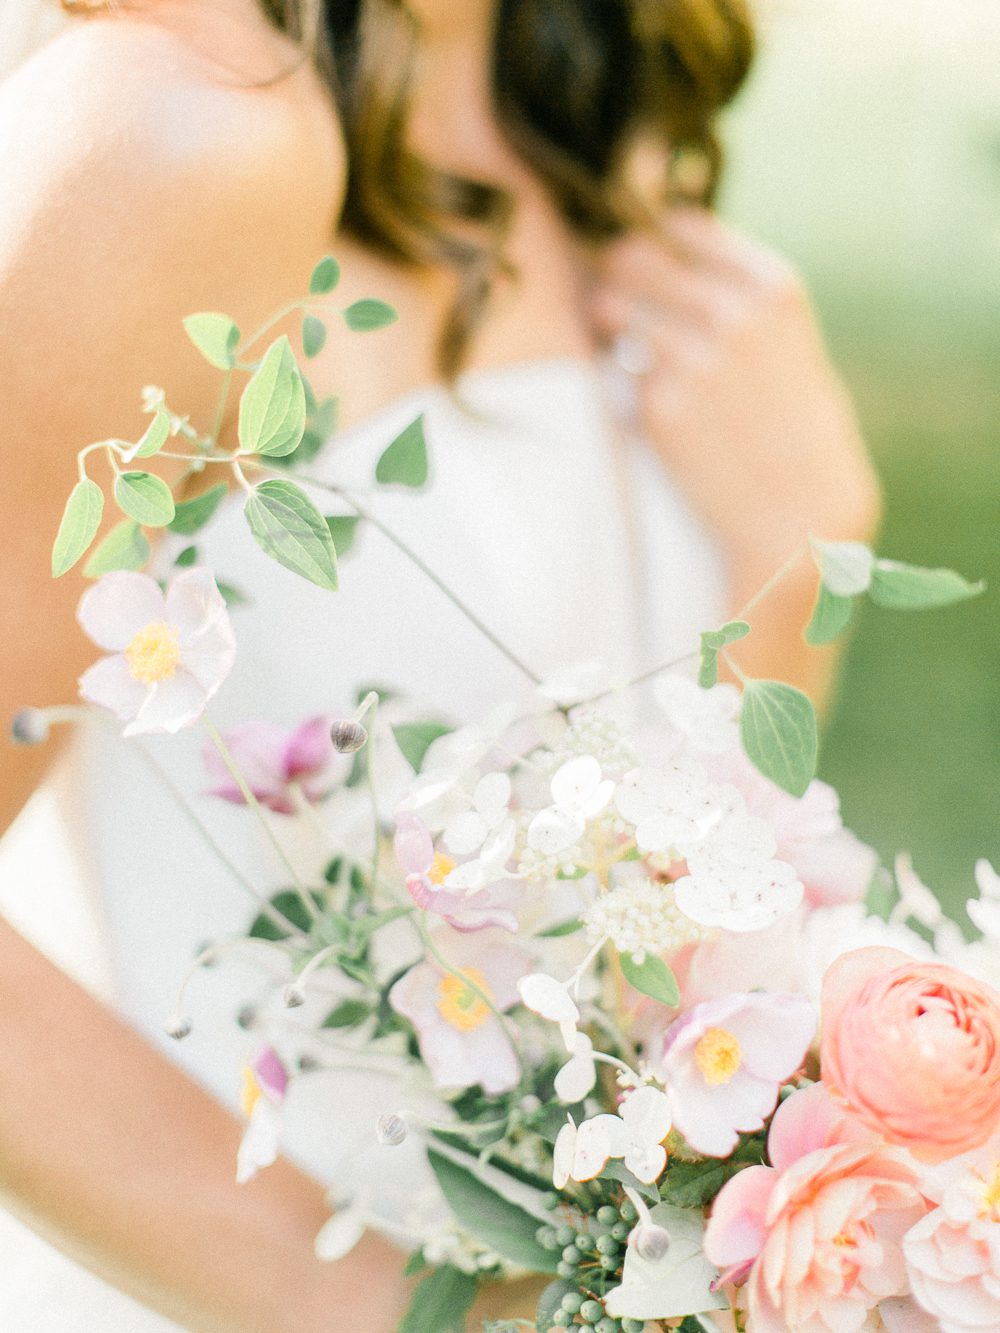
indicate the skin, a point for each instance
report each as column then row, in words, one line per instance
column 131, row 151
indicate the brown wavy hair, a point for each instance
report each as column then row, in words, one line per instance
column 574, row 82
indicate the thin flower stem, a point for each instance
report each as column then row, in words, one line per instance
column 365, row 513
column 740, row 675
column 254, row 804
column 777, row 577
column 240, row 476
column 267, row 909
column 269, row 324
column 438, row 956
column 220, row 408
column 371, row 704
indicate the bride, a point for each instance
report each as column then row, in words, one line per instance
column 632, row 421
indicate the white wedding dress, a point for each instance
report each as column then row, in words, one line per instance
column 555, row 523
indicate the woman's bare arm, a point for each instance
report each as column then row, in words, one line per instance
column 135, row 191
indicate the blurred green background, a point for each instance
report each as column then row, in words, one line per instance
column 867, row 146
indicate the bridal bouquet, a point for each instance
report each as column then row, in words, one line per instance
column 647, row 1034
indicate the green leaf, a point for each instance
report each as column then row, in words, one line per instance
column 187, row 557
column 313, row 335
column 290, row 529
column 155, row 437
column 273, row 404
column 778, row 727
column 845, row 567
column 415, row 739
column 712, row 642
column 404, row 463
column 415, row 1264
column 292, row 908
column 325, row 276
column 501, row 1225
column 145, row 498
column 343, row 530
column 695, row 1184
column 441, row 1302
column 78, row 528
column 652, row 977
column 190, row 515
column 563, row 928
column 231, row 595
column 831, row 616
column 366, row 316
column 347, row 1014
column 215, row 336
column 910, row 588
column 124, row 547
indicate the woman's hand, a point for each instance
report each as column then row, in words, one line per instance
column 740, row 399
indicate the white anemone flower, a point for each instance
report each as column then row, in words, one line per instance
column 169, row 653
column 486, row 828
column 579, row 793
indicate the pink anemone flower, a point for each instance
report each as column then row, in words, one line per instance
column 274, row 760
column 426, row 872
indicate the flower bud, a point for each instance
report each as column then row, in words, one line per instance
column 178, row 1027
column 30, row 726
column 293, row 996
column 348, row 736
column 651, row 1242
column 391, row 1130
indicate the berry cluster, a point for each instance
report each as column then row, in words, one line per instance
column 591, row 1249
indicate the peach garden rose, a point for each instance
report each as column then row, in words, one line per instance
column 912, row 1049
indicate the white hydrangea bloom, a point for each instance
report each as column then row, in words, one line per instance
column 707, row 720
column 579, row 793
column 640, row 916
column 486, row 828
column 733, row 894
column 671, row 808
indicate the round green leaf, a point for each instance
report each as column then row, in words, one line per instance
column 313, row 335
column 125, row 547
column 368, row 315
column 651, row 977
column 778, row 728
column 145, row 498
column 289, row 528
column 325, row 276
column 404, row 462
column 78, row 528
column 902, row 587
column 273, row 404
column 830, row 617
column 156, row 435
column 190, row 515
column 215, row 336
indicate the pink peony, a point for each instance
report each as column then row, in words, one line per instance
column 169, row 652
column 913, row 1050
column 425, row 873
column 953, row 1254
column 818, row 1233
column 272, row 760
column 724, row 1062
column 462, row 1041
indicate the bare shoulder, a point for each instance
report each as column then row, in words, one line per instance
column 133, row 122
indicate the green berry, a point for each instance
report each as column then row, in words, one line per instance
column 607, row 1325
column 609, row 1262
column 565, row 1235
column 584, row 1242
column 572, row 1301
column 607, row 1215
column 627, row 1211
column 607, row 1245
column 571, row 1255
column 590, row 1312
column 632, row 1326
column 565, row 1270
column 620, row 1231
column 546, row 1237
column 550, row 1202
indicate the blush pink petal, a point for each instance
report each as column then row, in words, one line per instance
column 110, row 684
column 413, row 845
column 309, row 750
column 737, row 1228
column 114, row 609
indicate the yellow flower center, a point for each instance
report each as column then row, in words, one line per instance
column 458, row 1004
column 251, row 1093
column 441, row 868
column 990, row 1206
column 154, row 654
column 718, row 1056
